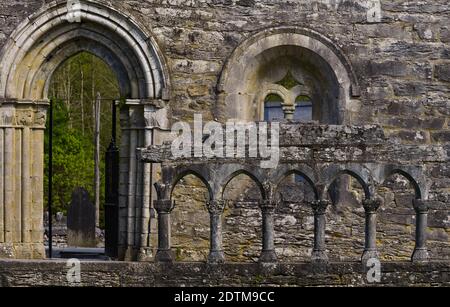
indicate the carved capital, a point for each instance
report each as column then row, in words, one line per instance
column 268, row 206
column 372, row 205
column 135, row 115
column 421, row 206
column 7, row 116
column 156, row 117
column 164, row 205
column 216, row 207
column 163, row 190
column 269, row 189
column 320, row 206
column 24, row 117
column 289, row 109
column 40, row 117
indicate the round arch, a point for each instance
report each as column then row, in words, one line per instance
column 354, row 175
column 246, row 57
column 308, row 179
column 38, row 46
column 184, row 173
column 237, row 173
column 418, row 193
column 47, row 38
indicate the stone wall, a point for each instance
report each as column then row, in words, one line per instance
column 349, row 164
column 402, row 61
column 190, row 225
column 400, row 56
column 115, row 274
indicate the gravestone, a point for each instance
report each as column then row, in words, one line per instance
column 81, row 220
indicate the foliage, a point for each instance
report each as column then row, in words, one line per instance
column 72, row 159
column 73, row 89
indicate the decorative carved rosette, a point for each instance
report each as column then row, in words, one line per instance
column 421, row 206
column 320, row 206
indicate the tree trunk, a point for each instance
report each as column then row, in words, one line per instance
column 97, row 160
column 69, row 94
column 82, row 98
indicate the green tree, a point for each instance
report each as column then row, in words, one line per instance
column 73, row 89
column 72, row 159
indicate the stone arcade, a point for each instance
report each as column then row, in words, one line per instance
column 320, row 154
column 377, row 76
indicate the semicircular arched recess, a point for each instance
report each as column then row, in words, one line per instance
column 254, row 62
column 46, row 39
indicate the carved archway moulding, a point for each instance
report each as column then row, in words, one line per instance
column 47, row 38
column 232, row 85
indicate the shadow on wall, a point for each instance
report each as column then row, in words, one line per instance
column 396, row 219
column 242, row 220
column 345, row 230
column 294, row 220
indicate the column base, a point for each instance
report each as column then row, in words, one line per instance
column 131, row 253
column 22, row 251
column 369, row 254
column 164, row 256
column 145, row 254
column 268, row 256
column 216, row 257
column 319, row 256
column 420, row 255
column 122, row 250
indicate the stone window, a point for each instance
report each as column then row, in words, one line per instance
column 273, row 108
column 290, row 63
column 283, row 100
column 303, row 109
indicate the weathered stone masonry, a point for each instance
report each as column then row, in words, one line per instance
column 21, row 178
column 320, row 154
column 362, row 62
column 143, row 274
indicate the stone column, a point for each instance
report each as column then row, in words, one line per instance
column 164, row 208
column 145, row 252
column 215, row 208
column 22, row 126
column 289, row 111
column 371, row 206
column 319, row 253
column 268, row 254
column 139, row 119
column 421, row 251
column 133, row 178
